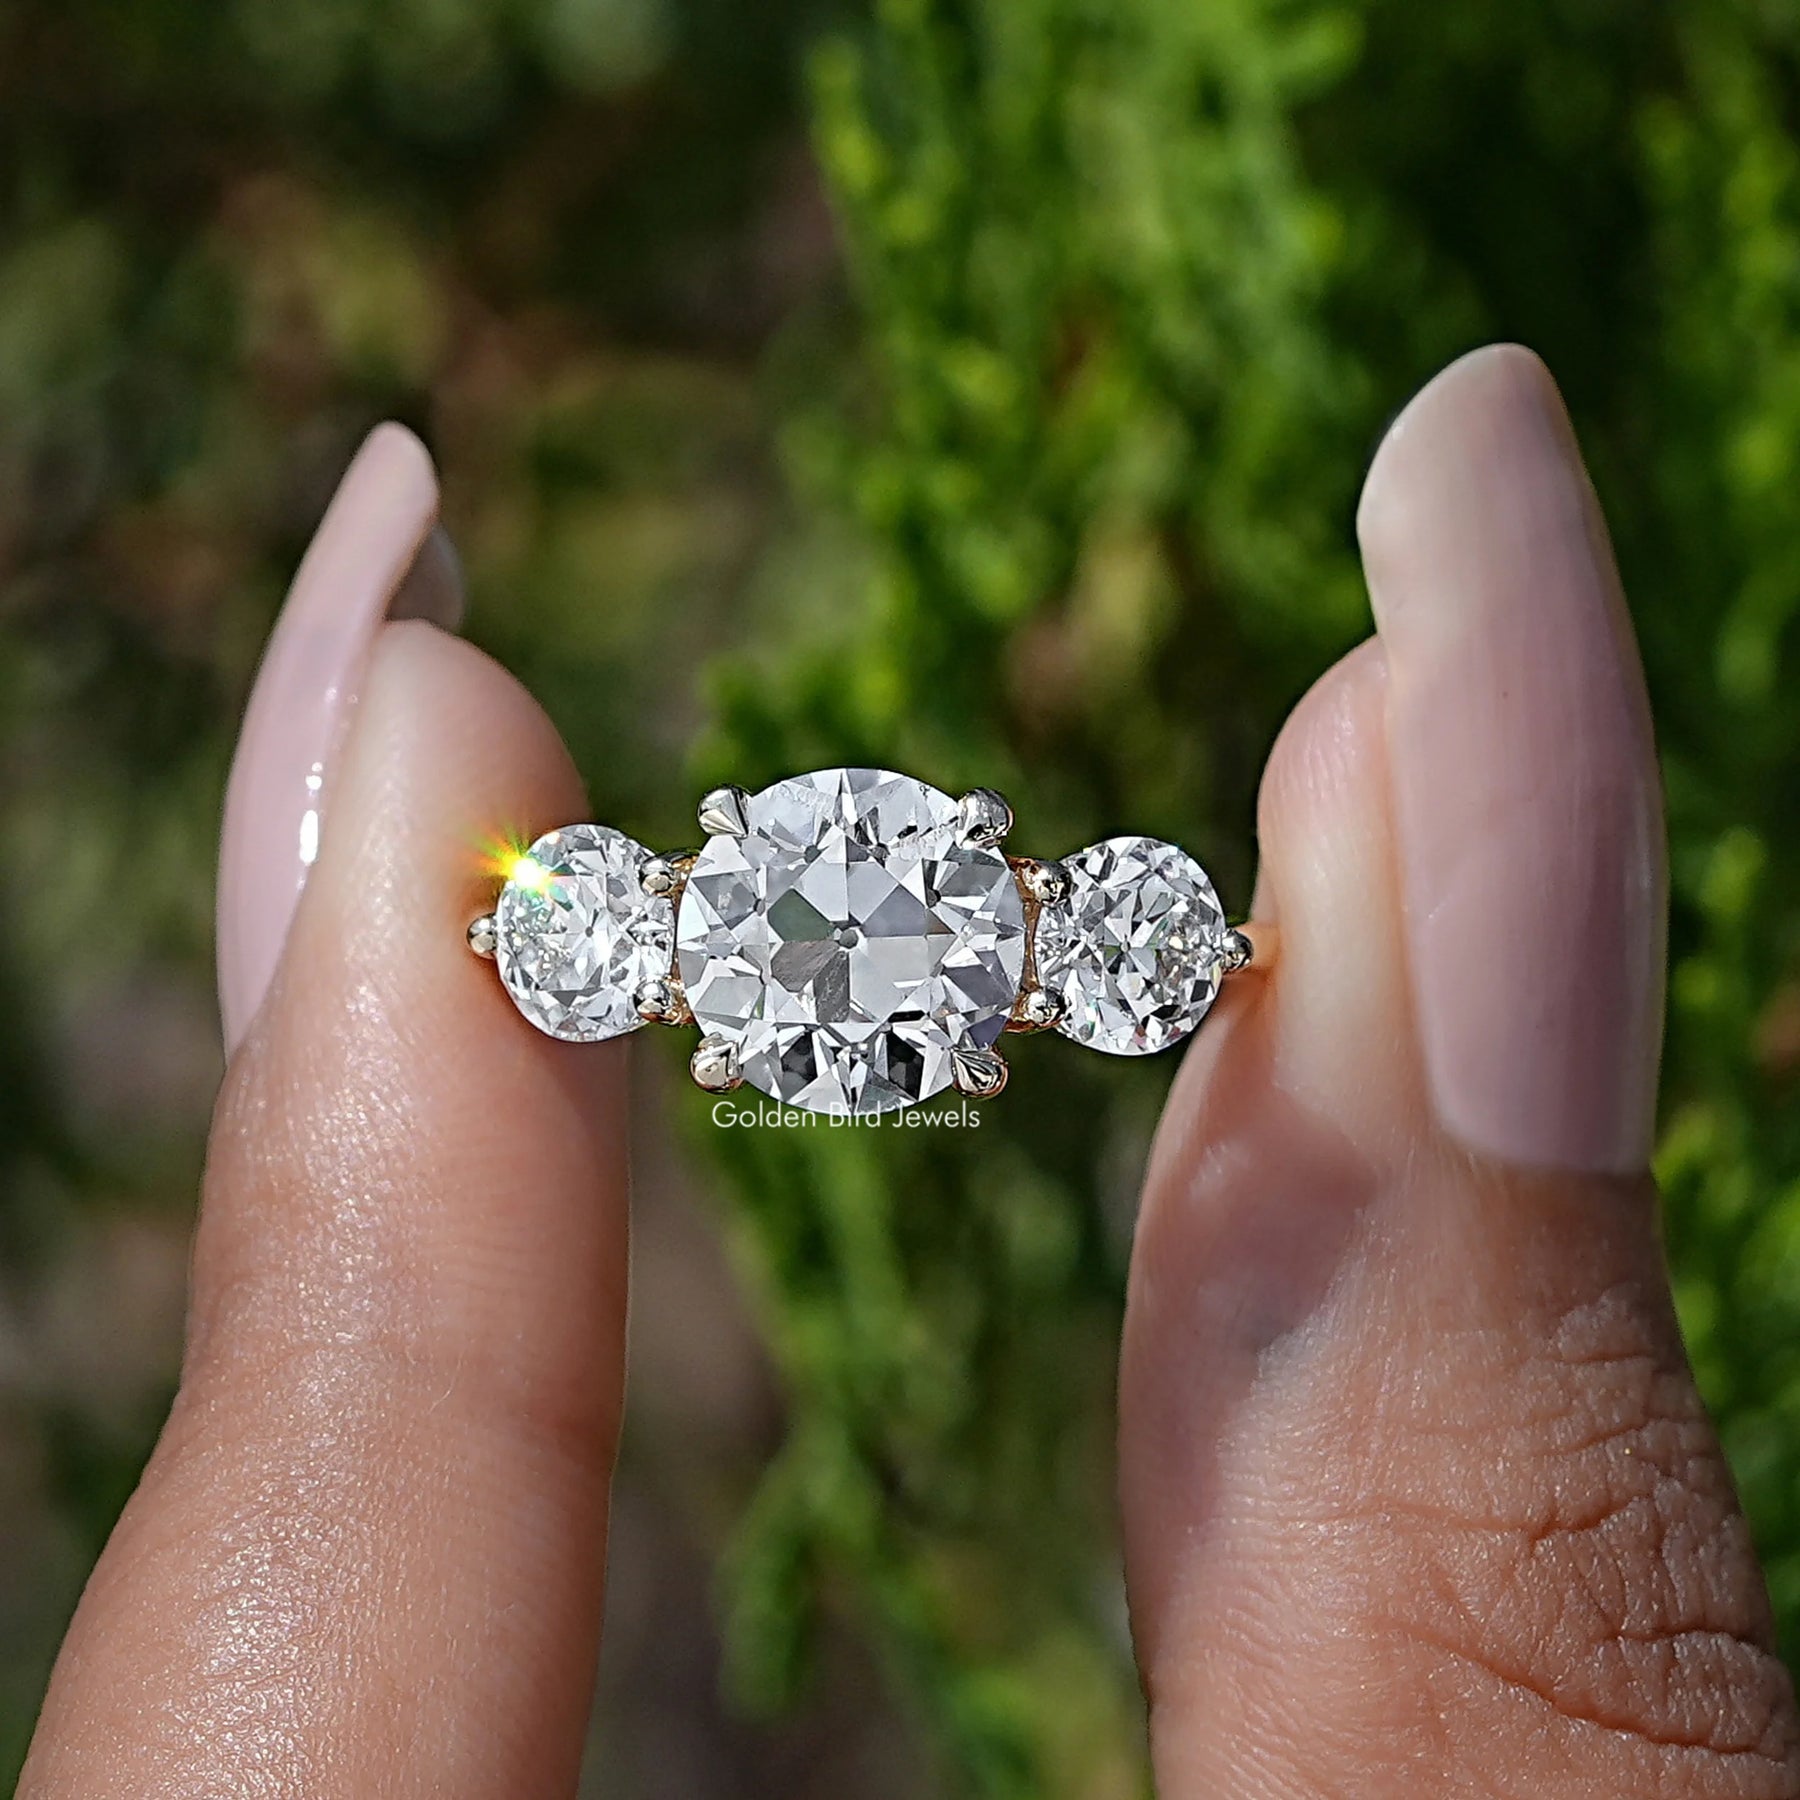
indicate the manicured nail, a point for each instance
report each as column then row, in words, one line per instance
column 1526, row 793
column 365, row 554
column 433, row 587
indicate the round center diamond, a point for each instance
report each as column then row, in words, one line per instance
column 848, row 942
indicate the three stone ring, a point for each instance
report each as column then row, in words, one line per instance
column 853, row 941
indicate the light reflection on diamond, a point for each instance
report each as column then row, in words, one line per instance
column 847, row 942
column 577, row 935
column 1136, row 950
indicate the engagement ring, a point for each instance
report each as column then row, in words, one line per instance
column 854, row 941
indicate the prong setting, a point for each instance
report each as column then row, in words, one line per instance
column 1121, row 946
column 1238, row 951
column 1046, row 882
column 725, row 812
column 661, row 1002
column 1039, row 1009
column 979, row 1074
column 714, row 1065
column 984, row 817
column 659, row 877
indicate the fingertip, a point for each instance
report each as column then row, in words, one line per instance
column 457, row 731
column 1328, row 869
column 1320, row 811
column 1318, row 754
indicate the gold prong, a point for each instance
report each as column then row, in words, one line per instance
column 725, row 811
column 714, row 1065
column 983, row 817
column 980, row 1074
column 1038, row 1009
column 1047, row 882
column 1252, row 945
column 660, row 1001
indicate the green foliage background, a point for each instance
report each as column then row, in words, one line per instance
column 979, row 387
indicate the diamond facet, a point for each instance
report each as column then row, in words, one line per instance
column 846, row 944
column 577, row 934
column 1136, row 950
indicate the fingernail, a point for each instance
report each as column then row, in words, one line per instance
column 1526, row 794
column 276, row 800
column 432, row 589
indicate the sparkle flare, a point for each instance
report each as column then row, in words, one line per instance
column 577, row 935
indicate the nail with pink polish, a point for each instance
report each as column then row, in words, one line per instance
column 1526, row 792
column 365, row 564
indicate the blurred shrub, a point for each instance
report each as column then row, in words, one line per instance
column 1050, row 489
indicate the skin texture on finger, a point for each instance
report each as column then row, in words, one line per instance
column 367, row 1555
column 1419, row 1498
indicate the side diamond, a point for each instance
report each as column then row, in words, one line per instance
column 578, row 936
column 1136, row 950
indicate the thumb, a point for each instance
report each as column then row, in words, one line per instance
column 1413, row 1464
column 366, row 1557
